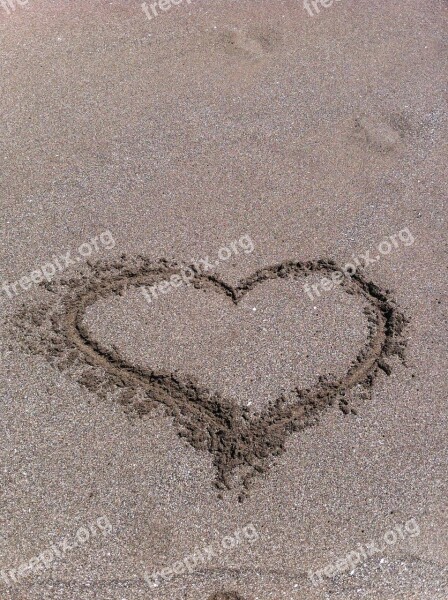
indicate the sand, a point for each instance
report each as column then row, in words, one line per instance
column 256, row 430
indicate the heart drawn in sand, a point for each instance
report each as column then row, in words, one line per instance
column 241, row 445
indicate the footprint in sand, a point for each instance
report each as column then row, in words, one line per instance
column 381, row 134
column 249, row 44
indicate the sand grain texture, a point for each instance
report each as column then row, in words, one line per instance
column 322, row 421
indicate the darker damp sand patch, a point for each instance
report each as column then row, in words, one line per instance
column 241, row 446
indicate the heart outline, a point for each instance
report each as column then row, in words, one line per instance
column 207, row 420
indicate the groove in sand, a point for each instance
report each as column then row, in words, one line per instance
column 241, row 446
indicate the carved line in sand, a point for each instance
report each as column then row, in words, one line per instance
column 240, row 446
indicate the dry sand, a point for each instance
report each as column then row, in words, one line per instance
column 236, row 413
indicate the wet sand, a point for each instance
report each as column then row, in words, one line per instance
column 285, row 428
